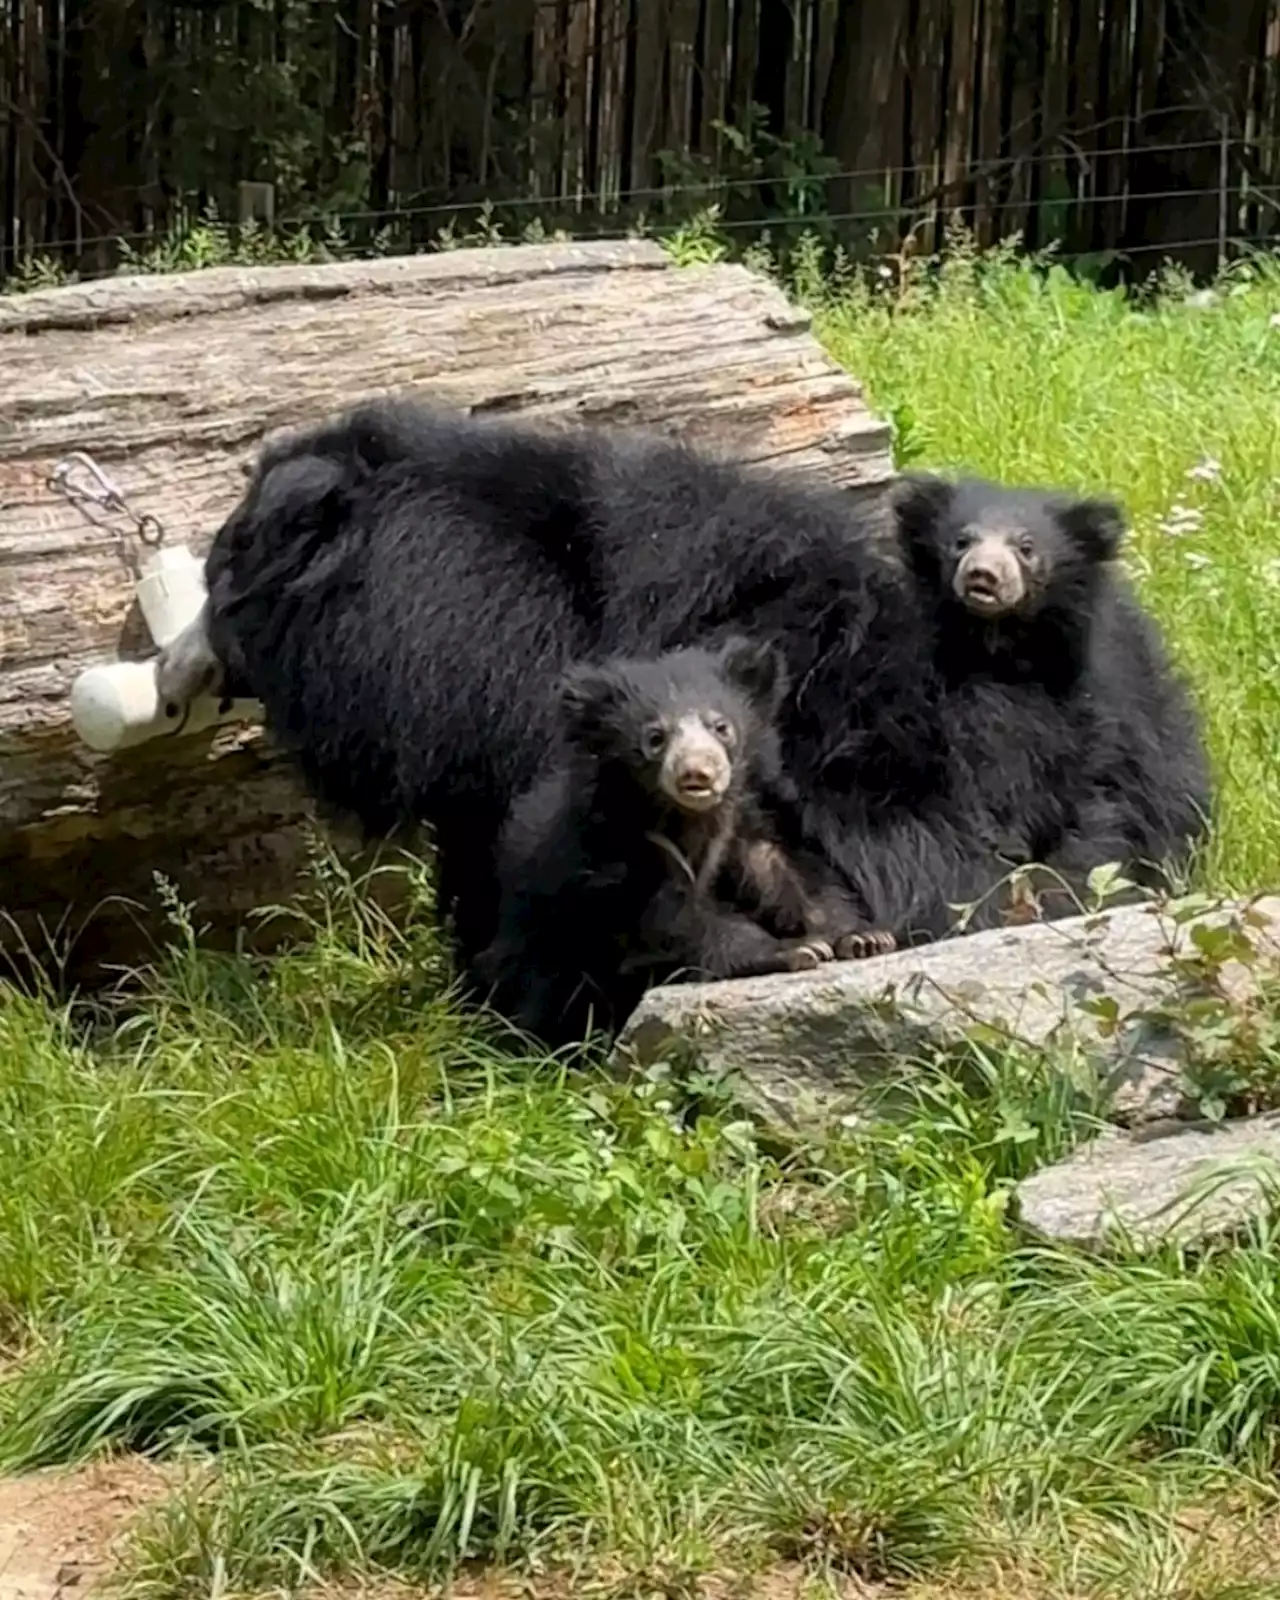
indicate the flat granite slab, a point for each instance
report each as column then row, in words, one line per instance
column 1190, row 1186
column 804, row 1048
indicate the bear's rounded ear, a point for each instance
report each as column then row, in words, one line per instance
column 919, row 501
column 297, row 487
column 295, row 514
column 584, row 695
column 1095, row 527
column 577, row 690
column 757, row 669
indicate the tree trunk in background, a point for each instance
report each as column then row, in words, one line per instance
column 775, row 40
column 863, row 111
column 384, row 99
column 343, row 114
column 1203, row 87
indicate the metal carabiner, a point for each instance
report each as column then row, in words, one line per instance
column 103, row 492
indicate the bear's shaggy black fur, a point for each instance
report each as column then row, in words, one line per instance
column 388, row 588
column 1072, row 742
column 646, row 850
column 402, row 588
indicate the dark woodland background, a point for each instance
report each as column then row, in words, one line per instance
column 1141, row 127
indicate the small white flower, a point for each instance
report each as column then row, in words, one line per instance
column 1271, row 572
column 886, row 272
column 1196, row 560
column 1134, row 567
column 1206, row 471
column 1275, row 319
column 1202, row 299
column 1181, row 520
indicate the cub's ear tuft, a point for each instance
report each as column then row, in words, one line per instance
column 586, row 698
column 758, row 670
column 1096, row 527
column 584, row 687
column 919, row 503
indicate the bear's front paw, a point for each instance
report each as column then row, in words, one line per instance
column 806, row 956
column 864, row 946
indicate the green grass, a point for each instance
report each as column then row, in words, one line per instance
column 407, row 1299
column 414, row 1300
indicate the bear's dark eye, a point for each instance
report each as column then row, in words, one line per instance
column 655, row 739
column 1027, row 545
column 963, row 541
column 723, row 729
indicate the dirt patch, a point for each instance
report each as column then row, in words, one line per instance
column 59, row 1531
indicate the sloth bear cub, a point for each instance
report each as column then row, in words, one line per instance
column 652, row 847
column 1072, row 742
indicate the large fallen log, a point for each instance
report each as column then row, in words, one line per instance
column 169, row 383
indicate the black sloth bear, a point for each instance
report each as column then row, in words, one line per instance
column 384, row 588
column 1072, row 743
column 401, row 588
column 646, row 850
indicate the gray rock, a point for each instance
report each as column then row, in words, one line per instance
column 1191, row 1186
column 803, row 1049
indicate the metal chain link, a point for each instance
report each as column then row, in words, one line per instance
column 100, row 491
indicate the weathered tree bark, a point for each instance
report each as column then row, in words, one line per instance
column 170, row 383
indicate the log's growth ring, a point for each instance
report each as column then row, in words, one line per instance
column 170, row 383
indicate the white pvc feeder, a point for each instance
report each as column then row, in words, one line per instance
column 116, row 705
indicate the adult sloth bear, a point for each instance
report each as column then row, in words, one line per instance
column 402, row 589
